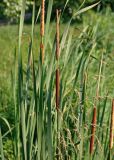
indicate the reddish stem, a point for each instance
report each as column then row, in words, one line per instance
column 93, row 130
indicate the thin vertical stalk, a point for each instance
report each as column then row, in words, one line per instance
column 95, row 108
column 57, row 58
column 57, row 78
column 42, row 30
column 93, row 128
column 112, row 127
column 57, row 35
column 57, row 88
column 99, row 80
column 1, row 146
column 42, row 52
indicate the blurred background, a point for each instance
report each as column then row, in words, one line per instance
column 10, row 9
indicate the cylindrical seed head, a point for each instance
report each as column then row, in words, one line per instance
column 93, row 130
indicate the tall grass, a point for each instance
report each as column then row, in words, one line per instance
column 59, row 127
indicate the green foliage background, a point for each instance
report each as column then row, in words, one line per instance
column 10, row 9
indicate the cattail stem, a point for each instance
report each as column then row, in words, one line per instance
column 112, row 127
column 93, row 130
column 42, row 30
column 57, row 79
column 57, row 35
column 42, row 52
column 57, row 88
column 57, row 58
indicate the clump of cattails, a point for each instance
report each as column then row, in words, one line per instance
column 93, row 128
column 57, row 58
column 112, row 127
column 42, row 29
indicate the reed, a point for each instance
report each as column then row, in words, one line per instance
column 93, row 128
column 57, row 89
column 57, row 59
column 57, row 35
column 42, row 52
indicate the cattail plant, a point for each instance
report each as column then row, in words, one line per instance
column 42, row 30
column 57, row 77
column 93, row 130
column 112, row 127
column 57, row 58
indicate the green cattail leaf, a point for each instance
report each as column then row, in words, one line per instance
column 1, row 146
column 85, row 9
column 49, row 134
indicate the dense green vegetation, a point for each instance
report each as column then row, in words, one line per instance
column 10, row 9
column 30, row 125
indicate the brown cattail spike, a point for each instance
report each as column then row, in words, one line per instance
column 42, row 17
column 112, row 127
column 42, row 30
column 57, row 88
column 57, row 35
column 93, row 130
